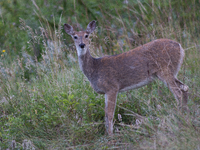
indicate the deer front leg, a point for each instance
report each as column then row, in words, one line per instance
column 110, row 103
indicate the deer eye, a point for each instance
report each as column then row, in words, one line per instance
column 86, row 36
column 75, row 37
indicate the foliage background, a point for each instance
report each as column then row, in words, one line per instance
column 47, row 103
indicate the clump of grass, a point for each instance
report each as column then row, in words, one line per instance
column 47, row 103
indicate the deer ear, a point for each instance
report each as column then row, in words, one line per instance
column 68, row 29
column 91, row 27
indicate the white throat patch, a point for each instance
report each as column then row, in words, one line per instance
column 80, row 51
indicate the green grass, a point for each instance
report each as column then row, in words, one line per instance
column 47, row 103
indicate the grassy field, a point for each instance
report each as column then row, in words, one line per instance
column 47, row 103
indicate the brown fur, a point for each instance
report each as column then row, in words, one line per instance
column 110, row 75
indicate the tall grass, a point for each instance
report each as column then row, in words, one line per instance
column 47, row 103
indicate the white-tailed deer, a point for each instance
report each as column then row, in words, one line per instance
column 110, row 75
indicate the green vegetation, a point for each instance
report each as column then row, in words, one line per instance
column 47, row 103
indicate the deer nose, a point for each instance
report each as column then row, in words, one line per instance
column 82, row 45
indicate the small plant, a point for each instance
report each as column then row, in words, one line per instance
column 46, row 102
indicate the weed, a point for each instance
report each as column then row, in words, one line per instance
column 47, row 103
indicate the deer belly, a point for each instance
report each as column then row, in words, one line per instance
column 137, row 85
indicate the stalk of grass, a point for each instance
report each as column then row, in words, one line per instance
column 47, row 103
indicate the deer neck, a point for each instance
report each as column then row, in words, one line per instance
column 86, row 63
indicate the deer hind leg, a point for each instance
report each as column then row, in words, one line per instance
column 184, row 88
column 178, row 89
column 110, row 103
column 181, row 85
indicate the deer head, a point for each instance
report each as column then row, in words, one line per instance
column 81, row 38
